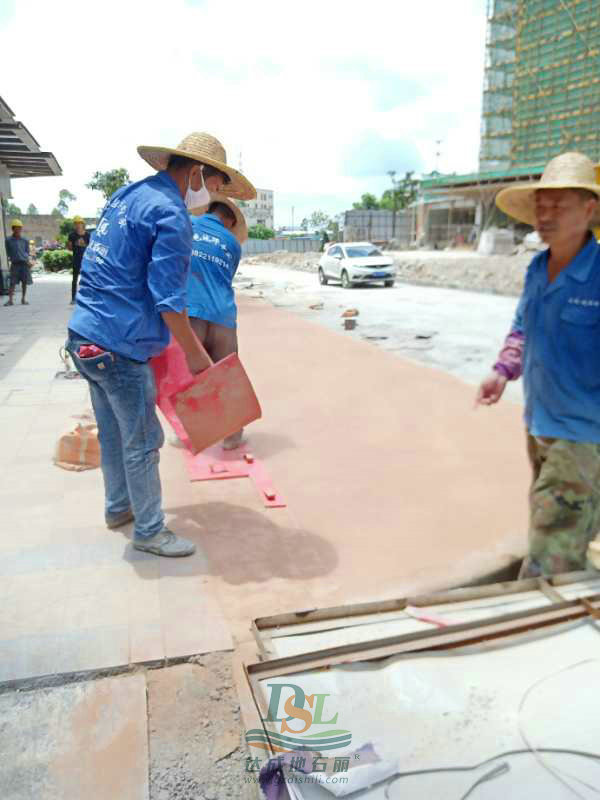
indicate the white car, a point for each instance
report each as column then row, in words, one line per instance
column 355, row 263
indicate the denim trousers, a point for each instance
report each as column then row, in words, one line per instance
column 123, row 395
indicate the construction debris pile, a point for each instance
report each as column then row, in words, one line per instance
column 451, row 269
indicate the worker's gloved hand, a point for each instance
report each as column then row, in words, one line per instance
column 491, row 389
column 197, row 361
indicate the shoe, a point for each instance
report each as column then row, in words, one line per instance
column 233, row 444
column 166, row 544
column 10, row 303
column 24, row 303
column 118, row 520
column 72, row 303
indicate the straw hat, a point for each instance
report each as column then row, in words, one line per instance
column 240, row 229
column 567, row 171
column 207, row 150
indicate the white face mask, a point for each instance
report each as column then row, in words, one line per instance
column 197, row 199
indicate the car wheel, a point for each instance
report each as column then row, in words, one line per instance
column 346, row 282
column 389, row 284
column 322, row 278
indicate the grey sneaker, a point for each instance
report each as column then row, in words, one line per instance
column 165, row 543
column 118, row 520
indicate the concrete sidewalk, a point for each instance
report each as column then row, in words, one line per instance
column 394, row 485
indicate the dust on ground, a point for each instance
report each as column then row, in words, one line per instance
column 451, row 269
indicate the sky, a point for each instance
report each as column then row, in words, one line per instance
column 316, row 100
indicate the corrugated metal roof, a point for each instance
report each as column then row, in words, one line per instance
column 19, row 151
column 474, row 178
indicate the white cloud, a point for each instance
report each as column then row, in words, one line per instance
column 295, row 88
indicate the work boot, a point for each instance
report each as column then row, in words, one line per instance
column 118, row 520
column 165, row 543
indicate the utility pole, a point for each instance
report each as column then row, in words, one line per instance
column 292, row 217
column 392, row 174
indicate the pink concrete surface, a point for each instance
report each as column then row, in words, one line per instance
column 395, row 483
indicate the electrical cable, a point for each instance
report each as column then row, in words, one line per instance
column 557, row 773
column 520, row 752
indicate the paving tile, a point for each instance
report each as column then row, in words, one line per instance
column 87, row 740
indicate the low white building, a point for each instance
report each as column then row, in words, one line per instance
column 259, row 211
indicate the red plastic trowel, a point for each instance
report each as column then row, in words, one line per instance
column 207, row 407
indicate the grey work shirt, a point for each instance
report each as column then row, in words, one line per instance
column 17, row 249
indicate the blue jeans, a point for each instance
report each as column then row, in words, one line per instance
column 123, row 396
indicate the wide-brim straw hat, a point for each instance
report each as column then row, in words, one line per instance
column 567, row 171
column 207, row 150
column 240, row 229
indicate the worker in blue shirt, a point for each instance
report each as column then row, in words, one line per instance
column 131, row 299
column 553, row 342
column 17, row 250
column 218, row 231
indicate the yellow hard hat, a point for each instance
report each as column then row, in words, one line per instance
column 78, row 219
column 16, row 223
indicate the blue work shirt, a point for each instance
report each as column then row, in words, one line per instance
column 560, row 322
column 17, row 249
column 215, row 258
column 134, row 268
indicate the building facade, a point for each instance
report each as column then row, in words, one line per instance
column 260, row 211
column 541, row 84
column 20, row 157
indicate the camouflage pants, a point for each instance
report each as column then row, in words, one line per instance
column 564, row 505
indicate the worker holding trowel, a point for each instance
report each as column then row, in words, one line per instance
column 131, row 299
column 219, row 229
column 553, row 342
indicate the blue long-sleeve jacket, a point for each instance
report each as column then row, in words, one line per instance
column 134, row 268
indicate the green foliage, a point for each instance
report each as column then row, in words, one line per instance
column 13, row 210
column 368, row 202
column 403, row 193
column 109, row 182
column 56, row 212
column 65, row 197
column 260, row 232
column 318, row 220
column 31, row 209
column 55, row 260
column 66, row 226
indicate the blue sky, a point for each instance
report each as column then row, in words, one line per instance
column 320, row 99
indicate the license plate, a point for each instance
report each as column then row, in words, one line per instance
column 378, row 274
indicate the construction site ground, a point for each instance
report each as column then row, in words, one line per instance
column 118, row 669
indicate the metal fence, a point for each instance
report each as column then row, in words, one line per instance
column 254, row 247
column 379, row 227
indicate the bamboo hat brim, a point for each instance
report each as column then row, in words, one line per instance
column 205, row 149
column 567, row 171
column 240, row 229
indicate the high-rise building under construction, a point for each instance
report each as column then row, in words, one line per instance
column 542, row 82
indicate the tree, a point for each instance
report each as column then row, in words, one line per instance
column 318, row 220
column 32, row 209
column 66, row 226
column 367, row 202
column 56, row 212
column 402, row 195
column 109, row 182
column 65, row 197
column 12, row 210
column 260, row 232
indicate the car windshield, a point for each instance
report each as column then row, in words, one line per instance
column 363, row 251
